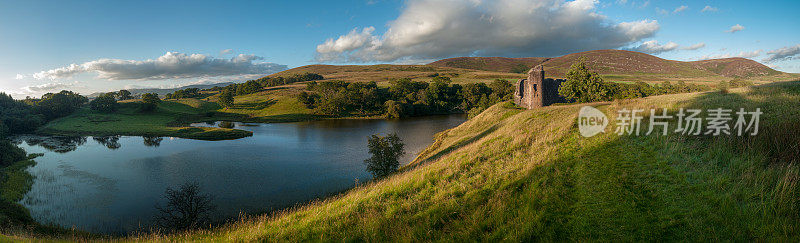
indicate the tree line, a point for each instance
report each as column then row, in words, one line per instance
column 404, row 97
column 584, row 85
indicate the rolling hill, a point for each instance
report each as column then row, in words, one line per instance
column 627, row 66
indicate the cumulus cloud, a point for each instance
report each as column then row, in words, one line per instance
column 429, row 29
column 49, row 87
column 743, row 54
column 652, row 47
column 694, row 47
column 680, row 9
column 785, row 53
column 226, row 51
column 172, row 65
column 709, row 9
column 735, row 28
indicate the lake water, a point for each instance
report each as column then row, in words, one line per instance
column 112, row 184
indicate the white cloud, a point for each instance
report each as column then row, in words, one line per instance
column 680, row 9
column 735, row 28
column 652, row 47
column 226, row 51
column 443, row 28
column 172, row 65
column 662, row 11
column 743, row 54
column 694, row 47
column 709, row 9
column 785, row 53
column 49, row 87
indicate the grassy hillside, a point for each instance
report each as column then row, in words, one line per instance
column 165, row 121
column 512, row 174
column 622, row 66
column 497, row 64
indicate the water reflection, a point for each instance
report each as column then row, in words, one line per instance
column 152, row 141
column 111, row 142
column 111, row 185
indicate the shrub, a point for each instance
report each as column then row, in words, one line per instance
column 225, row 98
column 186, row 208
column 583, row 85
column 104, row 103
column 386, row 152
column 149, row 102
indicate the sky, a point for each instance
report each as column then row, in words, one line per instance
column 97, row 46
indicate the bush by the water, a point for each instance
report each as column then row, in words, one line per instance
column 386, row 152
column 186, row 208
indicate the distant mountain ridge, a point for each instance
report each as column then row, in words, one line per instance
column 162, row 92
column 618, row 62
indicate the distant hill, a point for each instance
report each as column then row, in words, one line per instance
column 620, row 62
column 162, row 92
column 735, row 67
column 499, row 64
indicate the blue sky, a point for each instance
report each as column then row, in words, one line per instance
column 129, row 44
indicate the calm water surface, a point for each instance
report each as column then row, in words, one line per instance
column 112, row 184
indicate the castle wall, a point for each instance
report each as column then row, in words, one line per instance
column 537, row 91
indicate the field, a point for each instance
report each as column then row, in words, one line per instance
column 512, row 174
column 164, row 122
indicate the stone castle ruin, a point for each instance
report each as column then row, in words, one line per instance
column 537, row 91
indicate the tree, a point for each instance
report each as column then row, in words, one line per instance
column 386, row 152
column 308, row 99
column 124, row 95
column 186, row 208
column 149, row 102
column 225, row 98
column 10, row 153
column 583, row 85
column 104, row 103
column 59, row 104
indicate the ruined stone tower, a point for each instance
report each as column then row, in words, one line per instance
column 536, row 90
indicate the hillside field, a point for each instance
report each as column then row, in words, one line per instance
column 511, row 174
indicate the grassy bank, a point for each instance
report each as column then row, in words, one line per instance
column 521, row 175
column 168, row 120
column 510, row 174
column 15, row 219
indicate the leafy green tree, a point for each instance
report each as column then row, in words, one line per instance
column 18, row 116
column 308, row 99
column 583, row 85
column 10, row 153
column 104, row 103
column 386, row 152
column 225, row 98
column 396, row 109
column 149, row 102
column 124, row 95
column 502, row 90
column 55, row 105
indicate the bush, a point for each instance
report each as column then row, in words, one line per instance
column 186, row 208
column 386, row 152
column 308, row 99
column 60, row 104
column 10, row 153
column 225, row 98
column 149, row 102
column 583, row 85
column 104, row 103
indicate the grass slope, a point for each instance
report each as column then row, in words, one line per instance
column 627, row 66
column 165, row 121
column 511, row 174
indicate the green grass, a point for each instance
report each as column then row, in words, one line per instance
column 525, row 175
column 517, row 175
column 168, row 120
